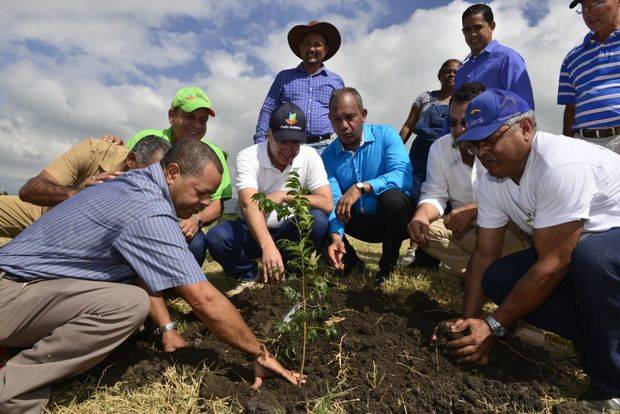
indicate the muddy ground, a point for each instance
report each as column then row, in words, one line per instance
column 380, row 362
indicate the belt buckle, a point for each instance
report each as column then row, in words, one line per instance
column 613, row 131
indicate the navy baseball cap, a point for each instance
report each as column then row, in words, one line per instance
column 288, row 123
column 487, row 112
column 574, row 3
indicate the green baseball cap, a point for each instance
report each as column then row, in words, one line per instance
column 191, row 98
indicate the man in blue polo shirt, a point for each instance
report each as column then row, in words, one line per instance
column 371, row 178
column 67, row 297
column 490, row 63
column 589, row 86
column 309, row 85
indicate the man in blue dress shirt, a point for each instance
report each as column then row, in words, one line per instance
column 490, row 63
column 371, row 178
column 67, row 297
column 309, row 85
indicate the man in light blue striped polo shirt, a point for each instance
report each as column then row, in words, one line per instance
column 590, row 77
column 66, row 280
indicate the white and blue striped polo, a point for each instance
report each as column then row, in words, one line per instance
column 590, row 79
column 113, row 232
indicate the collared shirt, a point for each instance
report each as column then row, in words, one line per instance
column 224, row 191
column 590, row 79
column 499, row 67
column 255, row 170
column 381, row 161
column 311, row 93
column 448, row 178
column 112, row 232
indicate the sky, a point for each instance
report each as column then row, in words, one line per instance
column 71, row 70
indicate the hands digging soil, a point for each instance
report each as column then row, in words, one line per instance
column 266, row 364
column 468, row 340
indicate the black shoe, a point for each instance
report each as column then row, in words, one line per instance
column 381, row 275
column 599, row 400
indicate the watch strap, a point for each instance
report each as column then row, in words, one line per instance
column 165, row 328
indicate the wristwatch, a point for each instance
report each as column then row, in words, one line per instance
column 360, row 186
column 497, row 329
column 165, row 328
column 199, row 222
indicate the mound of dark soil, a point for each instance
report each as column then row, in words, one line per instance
column 381, row 362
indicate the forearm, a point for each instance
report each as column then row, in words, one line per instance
column 158, row 310
column 568, row 120
column 318, row 202
column 426, row 211
column 45, row 193
column 474, row 298
column 405, row 133
column 212, row 212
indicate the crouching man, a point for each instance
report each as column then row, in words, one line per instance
column 565, row 193
column 66, row 280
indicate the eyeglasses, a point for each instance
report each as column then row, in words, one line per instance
column 488, row 144
column 456, row 122
column 595, row 5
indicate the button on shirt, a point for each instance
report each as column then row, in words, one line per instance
column 311, row 93
column 590, row 79
column 499, row 67
column 111, row 232
column 380, row 161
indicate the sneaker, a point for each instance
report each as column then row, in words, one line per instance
column 408, row 258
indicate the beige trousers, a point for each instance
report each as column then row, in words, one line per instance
column 455, row 252
column 67, row 326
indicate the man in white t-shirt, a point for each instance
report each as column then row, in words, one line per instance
column 451, row 175
column 566, row 194
column 265, row 168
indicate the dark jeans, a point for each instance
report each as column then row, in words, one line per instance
column 231, row 244
column 584, row 307
column 388, row 226
column 198, row 247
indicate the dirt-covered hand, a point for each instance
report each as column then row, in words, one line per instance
column 343, row 208
column 99, row 178
column 172, row 340
column 460, row 218
column 273, row 267
column 335, row 253
column 278, row 197
column 112, row 139
column 189, row 228
column 418, row 229
column 266, row 365
column 473, row 348
column 450, row 322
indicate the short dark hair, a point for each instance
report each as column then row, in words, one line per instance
column 192, row 156
column 337, row 93
column 148, row 146
column 479, row 8
column 447, row 62
column 466, row 92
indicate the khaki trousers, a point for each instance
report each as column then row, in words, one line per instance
column 16, row 215
column 67, row 325
column 455, row 252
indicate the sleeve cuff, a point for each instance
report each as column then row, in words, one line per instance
column 434, row 203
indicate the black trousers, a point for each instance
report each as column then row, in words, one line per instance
column 388, row 226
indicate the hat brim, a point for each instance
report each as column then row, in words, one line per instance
column 192, row 106
column 478, row 134
column 327, row 30
column 574, row 3
column 289, row 135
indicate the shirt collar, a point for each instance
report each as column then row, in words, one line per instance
column 490, row 48
column 589, row 39
column 322, row 71
column 366, row 138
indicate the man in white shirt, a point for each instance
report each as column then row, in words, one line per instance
column 566, row 194
column 451, row 176
column 265, row 168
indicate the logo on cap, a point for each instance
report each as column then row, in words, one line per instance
column 474, row 111
column 292, row 119
column 190, row 98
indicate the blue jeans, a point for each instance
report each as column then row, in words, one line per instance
column 584, row 307
column 231, row 244
column 198, row 247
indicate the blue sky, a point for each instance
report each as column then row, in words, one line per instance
column 69, row 70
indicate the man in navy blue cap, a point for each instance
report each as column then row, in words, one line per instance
column 565, row 194
column 265, row 168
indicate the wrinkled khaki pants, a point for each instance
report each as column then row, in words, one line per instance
column 15, row 216
column 67, row 325
column 455, row 252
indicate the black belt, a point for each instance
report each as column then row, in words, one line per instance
column 317, row 138
column 8, row 276
column 599, row 133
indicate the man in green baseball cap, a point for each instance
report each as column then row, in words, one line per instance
column 188, row 116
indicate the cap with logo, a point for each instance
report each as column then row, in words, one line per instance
column 574, row 3
column 288, row 123
column 191, row 98
column 487, row 112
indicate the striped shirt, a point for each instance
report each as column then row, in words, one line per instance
column 590, row 79
column 311, row 93
column 113, row 232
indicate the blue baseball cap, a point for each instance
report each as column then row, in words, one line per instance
column 487, row 112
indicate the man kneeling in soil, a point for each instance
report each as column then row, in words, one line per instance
column 565, row 193
column 65, row 281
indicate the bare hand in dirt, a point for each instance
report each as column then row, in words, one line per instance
column 460, row 218
column 343, row 208
column 266, row 365
column 112, row 139
column 189, row 228
column 99, row 178
column 172, row 340
column 335, row 253
column 278, row 197
column 418, row 229
column 450, row 323
column 473, row 348
column 273, row 267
